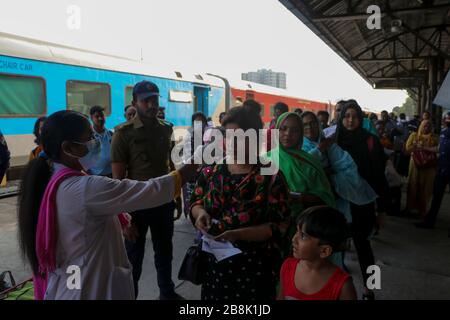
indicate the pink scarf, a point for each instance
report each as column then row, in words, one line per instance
column 46, row 231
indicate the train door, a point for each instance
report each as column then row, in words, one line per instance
column 201, row 97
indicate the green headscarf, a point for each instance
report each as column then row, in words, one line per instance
column 303, row 173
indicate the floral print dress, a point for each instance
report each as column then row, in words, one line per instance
column 240, row 201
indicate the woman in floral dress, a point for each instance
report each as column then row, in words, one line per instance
column 234, row 202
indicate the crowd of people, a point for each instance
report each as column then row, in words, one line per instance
column 417, row 154
column 89, row 196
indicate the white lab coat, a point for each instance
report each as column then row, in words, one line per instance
column 90, row 236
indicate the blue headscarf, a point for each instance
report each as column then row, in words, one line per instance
column 345, row 179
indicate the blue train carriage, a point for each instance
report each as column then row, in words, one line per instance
column 38, row 78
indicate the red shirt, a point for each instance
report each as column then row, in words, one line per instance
column 331, row 290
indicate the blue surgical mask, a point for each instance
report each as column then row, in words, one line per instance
column 93, row 156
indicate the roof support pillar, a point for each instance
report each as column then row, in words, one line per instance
column 432, row 78
column 419, row 100
column 432, row 86
column 439, row 80
column 423, row 100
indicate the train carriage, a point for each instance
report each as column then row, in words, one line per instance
column 268, row 96
column 38, row 78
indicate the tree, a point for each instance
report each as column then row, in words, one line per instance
column 409, row 107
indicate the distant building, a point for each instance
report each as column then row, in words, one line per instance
column 267, row 77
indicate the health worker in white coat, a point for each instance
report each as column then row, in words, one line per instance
column 69, row 222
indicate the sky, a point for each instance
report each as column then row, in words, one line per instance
column 224, row 37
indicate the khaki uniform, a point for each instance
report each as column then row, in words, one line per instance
column 145, row 150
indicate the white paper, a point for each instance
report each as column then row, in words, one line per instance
column 207, row 235
column 220, row 249
column 328, row 132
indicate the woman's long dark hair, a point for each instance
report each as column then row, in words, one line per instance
column 59, row 127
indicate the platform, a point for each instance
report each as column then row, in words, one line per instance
column 414, row 263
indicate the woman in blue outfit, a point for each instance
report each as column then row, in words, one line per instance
column 348, row 186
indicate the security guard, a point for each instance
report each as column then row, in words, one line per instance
column 141, row 150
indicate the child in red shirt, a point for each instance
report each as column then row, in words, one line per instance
column 309, row 275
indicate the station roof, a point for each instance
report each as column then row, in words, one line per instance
column 392, row 57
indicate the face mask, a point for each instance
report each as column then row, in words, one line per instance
column 92, row 157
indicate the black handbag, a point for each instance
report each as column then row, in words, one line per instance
column 5, row 284
column 193, row 268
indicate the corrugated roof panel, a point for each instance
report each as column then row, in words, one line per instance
column 344, row 29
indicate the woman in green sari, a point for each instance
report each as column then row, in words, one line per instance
column 304, row 174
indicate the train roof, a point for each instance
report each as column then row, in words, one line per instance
column 28, row 48
column 258, row 87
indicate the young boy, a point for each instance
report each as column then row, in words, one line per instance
column 309, row 275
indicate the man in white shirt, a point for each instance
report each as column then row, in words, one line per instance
column 103, row 166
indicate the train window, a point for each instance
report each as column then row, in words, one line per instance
column 180, row 96
column 22, row 96
column 82, row 95
column 198, row 77
column 128, row 95
column 178, row 74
